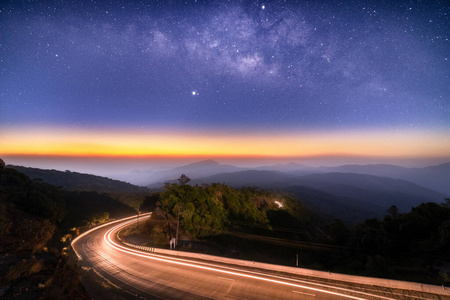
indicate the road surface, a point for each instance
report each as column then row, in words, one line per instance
column 149, row 275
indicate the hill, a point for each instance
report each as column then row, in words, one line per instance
column 73, row 181
column 37, row 221
column 434, row 177
column 199, row 169
column 368, row 195
column 351, row 197
column 249, row 178
column 127, row 193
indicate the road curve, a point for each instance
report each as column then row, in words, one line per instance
column 154, row 276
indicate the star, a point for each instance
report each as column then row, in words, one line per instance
column 274, row 58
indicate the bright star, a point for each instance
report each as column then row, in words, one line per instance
column 194, row 93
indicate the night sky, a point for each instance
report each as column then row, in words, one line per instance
column 113, row 70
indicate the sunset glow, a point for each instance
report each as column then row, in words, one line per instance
column 134, row 143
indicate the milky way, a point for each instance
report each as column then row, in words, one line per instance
column 219, row 64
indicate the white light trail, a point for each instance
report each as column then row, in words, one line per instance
column 108, row 239
column 142, row 217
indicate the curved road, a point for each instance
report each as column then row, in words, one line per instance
column 155, row 276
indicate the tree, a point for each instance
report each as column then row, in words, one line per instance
column 393, row 211
column 183, row 180
column 159, row 238
column 338, row 232
column 447, row 202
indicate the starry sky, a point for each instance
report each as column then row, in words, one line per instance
column 225, row 78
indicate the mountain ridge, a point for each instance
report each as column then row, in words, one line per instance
column 362, row 196
column 74, row 181
column 433, row 177
column 351, row 195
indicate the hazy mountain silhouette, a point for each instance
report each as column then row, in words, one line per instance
column 157, row 178
column 375, row 190
column 343, row 195
column 199, row 169
column 287, row 167
column 251, row 178
column 433, row 177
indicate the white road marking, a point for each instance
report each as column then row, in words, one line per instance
column 224, row 278
column 307, row 294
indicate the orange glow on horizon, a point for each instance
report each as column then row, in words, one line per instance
column 134, row 143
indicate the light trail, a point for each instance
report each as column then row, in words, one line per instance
column 109, row 241
column 250, row 272
column 142, row 216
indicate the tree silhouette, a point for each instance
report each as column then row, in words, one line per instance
column 393, row 211
column 183, row 180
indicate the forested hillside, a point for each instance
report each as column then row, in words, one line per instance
column 37, row 220
column 212, row 209
column 412, row 246
column 126, row 193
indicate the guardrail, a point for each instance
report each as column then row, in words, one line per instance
column 389, row 283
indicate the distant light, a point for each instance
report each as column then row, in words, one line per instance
column 194, row 93
column 263, row 6
column 280, row 205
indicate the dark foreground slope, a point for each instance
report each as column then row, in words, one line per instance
column 37, row 221
column 31, row 262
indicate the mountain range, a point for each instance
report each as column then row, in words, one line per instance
column 74, row 181
column 433, row 177
column 436, row 178
column 158, row 177
column 350, row 192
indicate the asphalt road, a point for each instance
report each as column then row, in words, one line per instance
column 148, row 275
